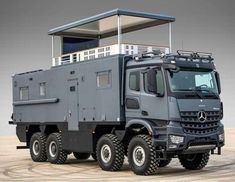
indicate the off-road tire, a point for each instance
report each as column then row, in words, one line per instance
column 164, row 163
column 198, row 162
column 151, row 161
column 81, row 156
column 116, row 151
column 41, row 139
column 60, row 154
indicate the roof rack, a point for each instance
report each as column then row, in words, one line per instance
column 195, row 54
column 184, row 55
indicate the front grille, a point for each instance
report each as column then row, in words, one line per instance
column 191, row 124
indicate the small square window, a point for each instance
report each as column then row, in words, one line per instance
column 104, row 79
column 42, row 89
column 24, row 93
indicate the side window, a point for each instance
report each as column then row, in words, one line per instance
column 42, row 89
column 159, row 80
column 24, row 93
column 134, row 81
column 103, row 79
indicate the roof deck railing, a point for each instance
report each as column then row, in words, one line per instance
column 109, row 50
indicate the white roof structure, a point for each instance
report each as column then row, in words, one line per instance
column 107, row 24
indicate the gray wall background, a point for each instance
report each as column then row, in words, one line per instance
column 201, row 25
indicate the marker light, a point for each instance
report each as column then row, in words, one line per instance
column 221, row 137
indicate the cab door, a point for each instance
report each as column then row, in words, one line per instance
column 132, row 100
column 154, row 106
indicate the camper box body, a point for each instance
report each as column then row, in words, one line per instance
column 76, row 93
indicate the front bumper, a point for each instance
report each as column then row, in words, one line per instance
column 192, row 143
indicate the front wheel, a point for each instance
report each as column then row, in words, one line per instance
column 142, row 155
column 194, row 161
column 110, row 153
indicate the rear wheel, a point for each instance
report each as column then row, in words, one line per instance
column 164, row 163
column 55, row 152
column 194, row 161
column 142, row 155
column 38, row 147
column 110, row 153
column 81, row 156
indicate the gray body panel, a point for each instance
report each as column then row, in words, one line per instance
column 85, row 102
column 181, row 105
column 199, row 104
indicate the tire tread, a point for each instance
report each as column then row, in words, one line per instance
column 43, row 156
column 119, row 151
column 154, row 162
column 62, row 154
column 199, row 162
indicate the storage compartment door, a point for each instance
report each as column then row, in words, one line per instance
column 72, row 116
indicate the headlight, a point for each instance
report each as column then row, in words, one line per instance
column 176, row 139
column 221, row 137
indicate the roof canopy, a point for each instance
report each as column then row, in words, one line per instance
column 106, row 24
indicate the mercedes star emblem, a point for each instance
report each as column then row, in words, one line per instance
column 201, row 115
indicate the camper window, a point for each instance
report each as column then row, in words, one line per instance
column 42, row 89
column 103, row 79
column 24, row 93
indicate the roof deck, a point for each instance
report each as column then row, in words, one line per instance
column 80, row 39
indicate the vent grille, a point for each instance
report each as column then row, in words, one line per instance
column 191, row 124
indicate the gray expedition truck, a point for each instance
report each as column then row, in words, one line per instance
column 111, row 101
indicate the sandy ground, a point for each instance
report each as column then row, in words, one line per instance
column 16, row 165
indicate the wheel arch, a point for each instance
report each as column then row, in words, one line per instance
column 134, row 127
column 25, row 131
column 139, row 122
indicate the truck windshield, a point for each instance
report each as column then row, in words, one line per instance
column 194, row 80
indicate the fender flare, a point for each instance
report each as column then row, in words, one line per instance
column 143, row 122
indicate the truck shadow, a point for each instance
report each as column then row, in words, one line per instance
column 171, row 170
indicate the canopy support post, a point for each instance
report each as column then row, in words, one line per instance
column 52, row 46
column 119, row 29
column 61, row 45
column 170, row 43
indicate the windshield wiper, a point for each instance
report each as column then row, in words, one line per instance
column 209, row 91
column 190, row 90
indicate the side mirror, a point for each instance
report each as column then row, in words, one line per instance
column 152, row 82
column 217, row 77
